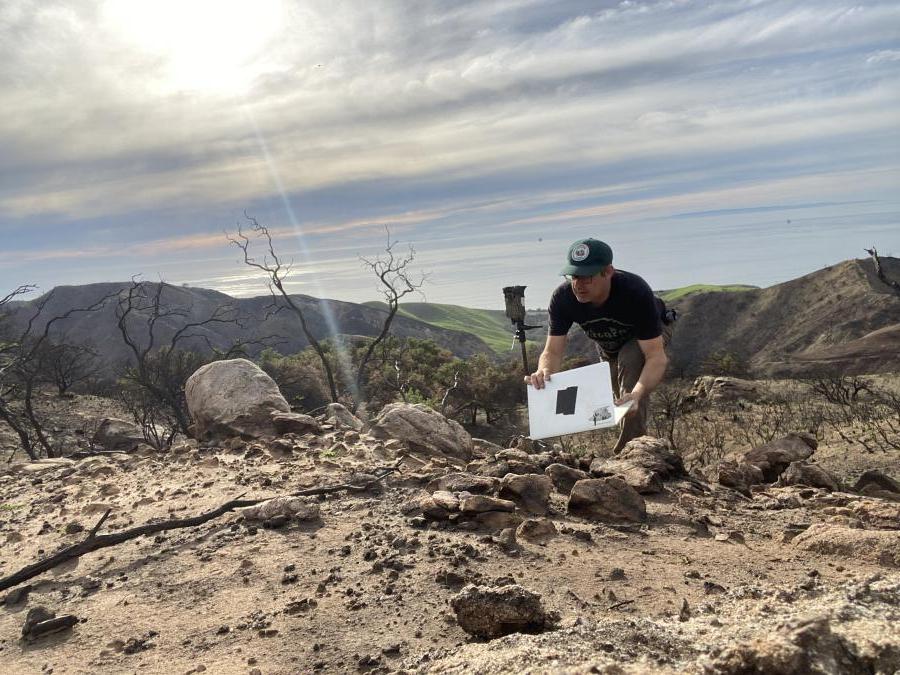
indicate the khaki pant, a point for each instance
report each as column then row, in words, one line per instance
column 625, row 368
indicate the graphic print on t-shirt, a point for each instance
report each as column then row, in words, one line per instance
column 608, row 333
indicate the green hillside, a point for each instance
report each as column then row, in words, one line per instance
column 491, row 325
column 684, row 291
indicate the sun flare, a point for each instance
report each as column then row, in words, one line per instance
column 205, row 45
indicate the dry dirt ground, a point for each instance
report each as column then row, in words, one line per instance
column 367, row 588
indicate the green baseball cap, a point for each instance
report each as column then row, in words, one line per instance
column 587, row 257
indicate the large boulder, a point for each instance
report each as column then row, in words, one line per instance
column 774, row 457
column 118, row 435
column 877, row 546
column 645, row 462
column 423, row 429
column 233, row 398
column 531, row 492
column 491, row 612
column 801, row 473
column 608, row 499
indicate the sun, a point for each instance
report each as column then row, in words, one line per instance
column 200, row 45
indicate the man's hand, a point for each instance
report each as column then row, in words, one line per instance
column 550, row 361
column 538, row 378
column 635, row 397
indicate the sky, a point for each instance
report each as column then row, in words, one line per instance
column 749, row 141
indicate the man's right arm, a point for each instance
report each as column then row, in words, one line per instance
column 550, row 361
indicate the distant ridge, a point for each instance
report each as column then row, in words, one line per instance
column 195, row 304
column 842, row 319
column 838, row 319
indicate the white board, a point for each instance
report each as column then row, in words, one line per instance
column 572, row 401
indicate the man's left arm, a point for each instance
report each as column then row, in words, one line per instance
column 655, row 362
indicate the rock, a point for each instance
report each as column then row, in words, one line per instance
column 339, row 415
column 446, row 500
column 296, row 423
column 877, row 546
column 513, row 453
column 740, row 476
column 40, row 621
column 521, row 467
column 492, row 521
column 774, row 457
column 537, row 531
column 875, row 483
column 496, row 469
column 431, row 509
column 878, row 514
column 463, row 482
column 712, row 588
column 17, row 595
column 296, row 508
column 564, row 477
column 805, row 647
column 486, row 447
column 645, row 462
column 801, row 473
column 74, row 527
column 233, row 398
column 118, row 435
column 506, row 538
column 608, row 499
column 423, row 429
column 482, row 503
column 531, row 492
column 725, row 389
column 40, row 465
column 491, row 612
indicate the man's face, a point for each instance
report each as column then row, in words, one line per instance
column 589, row 288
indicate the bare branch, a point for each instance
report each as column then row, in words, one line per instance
column 273, row 268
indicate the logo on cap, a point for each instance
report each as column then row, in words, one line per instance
column 580, row 252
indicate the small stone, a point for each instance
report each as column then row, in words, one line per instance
column 491, row 612
column 617, row 574
column 712, row 588
column 17, row 595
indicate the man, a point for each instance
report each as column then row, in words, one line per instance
column 619, row 312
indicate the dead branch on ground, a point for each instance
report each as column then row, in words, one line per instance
column 94, row 542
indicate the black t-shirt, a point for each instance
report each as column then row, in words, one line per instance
column 631, row 311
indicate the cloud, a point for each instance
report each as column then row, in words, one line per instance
column 447, row 122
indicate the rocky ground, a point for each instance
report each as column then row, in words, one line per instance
column 790, row 579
